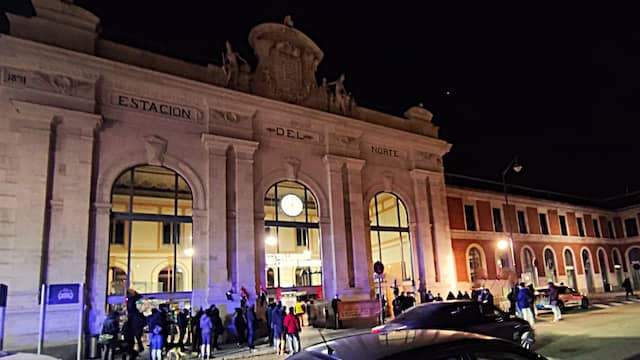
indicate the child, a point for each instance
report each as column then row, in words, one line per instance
column 156, row 343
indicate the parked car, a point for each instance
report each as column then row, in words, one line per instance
column 567, row 298
column 464, row 315
column 416, row 344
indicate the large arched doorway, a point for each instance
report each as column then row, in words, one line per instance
column 529, row 273
column 151, row 216
column 292, row 241
column 588, row 272
column 617, row 265
column 570, row 269
column 390, row 241
column 604, row 270
column 634, row 266
column 550, row 265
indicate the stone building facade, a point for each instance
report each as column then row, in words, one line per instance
column 120, row 168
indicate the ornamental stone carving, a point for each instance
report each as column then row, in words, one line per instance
column 292, row 165
column 156, row 148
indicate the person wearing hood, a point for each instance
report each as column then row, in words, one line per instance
column 205, row 331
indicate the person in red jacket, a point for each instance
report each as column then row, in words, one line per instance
column 292, row 327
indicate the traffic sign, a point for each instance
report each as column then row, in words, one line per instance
column 63, row 294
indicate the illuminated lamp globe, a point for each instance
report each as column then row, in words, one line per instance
column 291, row 205
column 271, row 240
column 503, row 244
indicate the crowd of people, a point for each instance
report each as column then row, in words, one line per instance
column 284, row 327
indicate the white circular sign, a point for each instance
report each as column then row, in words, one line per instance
column 291, row 205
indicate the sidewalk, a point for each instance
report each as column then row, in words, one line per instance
column 598, row 297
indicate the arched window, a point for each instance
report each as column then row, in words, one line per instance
column 292, row 235
column 475, row 264
column 303, row 277
column 151, row 209
column 550, row 265
column 528, row 265
column 118, row 278
column 586, row 262
column 617, row 265
column 604, row 270
column 570, row 269
column 270, row 278
column 390, row 242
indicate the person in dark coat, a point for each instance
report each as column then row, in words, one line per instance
column 250, row 315
column 110, row 328
column 450, row 296
column 239, row 323
column 277, row 323
column 466, row 296
column 183, row 322
column 196, row 331
column 269, row 316
column 553, row 302
column 430, row 297
column 218, row 327
column 397, row 306
column 138, row 321
column 334, row 306
column 626, row 285
column 460, row 296
column 524, row 303
column 438, row 297
column 532, row 292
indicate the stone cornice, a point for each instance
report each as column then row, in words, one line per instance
column 69, row 118
column 235, row 99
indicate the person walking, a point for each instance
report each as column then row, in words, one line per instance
column 277, row 324
column 524, row 303
column 196, row 332
column 553, row 302
column 183, row 321
column 626, row 285
column 269, row 317
column 109, row 335
column 334, row 306
column 513, row 298
column 205, row 332
column 450, row 296
column 292, row 327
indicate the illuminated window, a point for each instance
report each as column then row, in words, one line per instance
column 151, row 230
column 292, row 236
column 390, row 241
column 475, row 264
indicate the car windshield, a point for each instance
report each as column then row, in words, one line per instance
column 434, row 316
column 415, row 314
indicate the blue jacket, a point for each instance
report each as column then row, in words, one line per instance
column 524, row 298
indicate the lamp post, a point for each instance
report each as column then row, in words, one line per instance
column 515, row 166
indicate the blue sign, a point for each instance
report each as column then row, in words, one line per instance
column 63, row 294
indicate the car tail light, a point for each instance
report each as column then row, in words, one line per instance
column 377, row 329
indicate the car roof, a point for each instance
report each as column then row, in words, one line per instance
column 381, row 345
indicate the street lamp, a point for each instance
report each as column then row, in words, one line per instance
column 515, row 166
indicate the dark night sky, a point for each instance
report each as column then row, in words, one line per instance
column 557, row 85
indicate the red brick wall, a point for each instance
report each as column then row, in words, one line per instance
column 456, row 213
column 604, row 228
column 588, row 225
column 485, row 221
column 534, row 220
column 510, row 218
column 572, row 224
column 617, row 226
column 459, row 253
column 554, row 222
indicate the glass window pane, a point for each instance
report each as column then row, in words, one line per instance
column 120, row 203
column 372, row 213
column 404, row 222
column 375, row 249
column 312, row 208
column 406, row 255
column 391, row 255
column 185, row 207
column 270, row 204
column 185, row 253
column 147, row 255
column 387, row 210
column 154, row 187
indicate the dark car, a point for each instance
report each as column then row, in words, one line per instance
column 464, row 315
column 567, row 298
column 416, row 344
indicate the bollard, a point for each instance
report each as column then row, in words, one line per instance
column 92, row 351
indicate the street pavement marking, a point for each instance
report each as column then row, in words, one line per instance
column 616, row 304
column 601, row 306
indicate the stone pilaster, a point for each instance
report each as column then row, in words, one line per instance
column 445, row 261
column 215, row 248
column 336, row 248
column 201, row 246
column 98, row 278
column 358, row 236
column 423, row 242
column 245, row 256
column 71, row 196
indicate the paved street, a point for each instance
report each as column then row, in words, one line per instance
column 610, row 331
column 600, row 333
